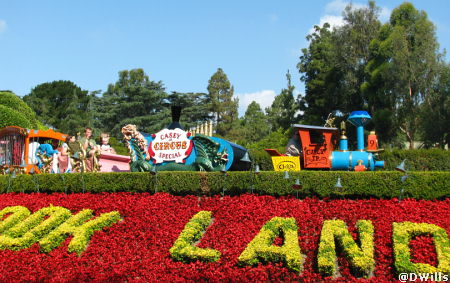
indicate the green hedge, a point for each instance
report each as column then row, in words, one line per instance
column 386, row 185
column 416, row 160
column 263, row 159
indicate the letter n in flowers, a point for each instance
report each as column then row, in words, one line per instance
column 261, row 248
column 403, row 233
column 184, row 248
column 361, row 259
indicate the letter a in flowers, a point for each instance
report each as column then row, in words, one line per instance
column 360, row 258
column 402, row 235
column 261, row 248
column 184, row 249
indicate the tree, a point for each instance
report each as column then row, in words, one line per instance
column 52, row 101
column 254, row 123
column 435, row 114
column 133, row 99
column 317, row 68
column 237, row 132
column 222, row 104
column 72, row 119
column 377, row 90
column 333, row 65
column 403, row 67
column 351, row 42
column 281, row 114
column 195, row 107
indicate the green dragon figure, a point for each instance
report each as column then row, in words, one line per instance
column 208, row 157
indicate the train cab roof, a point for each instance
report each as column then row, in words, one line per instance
column 33, row 134
column 12, row 130
column 309, row 127
column 50, row 134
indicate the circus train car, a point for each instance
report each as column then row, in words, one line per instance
column 19, row 150
column 171, row 149
column 321, row 148
column 174, row 149
column 39, row 151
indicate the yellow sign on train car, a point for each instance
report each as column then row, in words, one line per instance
column 286, row 163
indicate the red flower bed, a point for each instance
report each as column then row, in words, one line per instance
column 137, row 248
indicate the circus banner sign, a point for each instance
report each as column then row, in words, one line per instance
column 170, row 145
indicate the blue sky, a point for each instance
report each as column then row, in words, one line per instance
column 181, row 43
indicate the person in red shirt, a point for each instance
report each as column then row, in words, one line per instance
column 360, row 167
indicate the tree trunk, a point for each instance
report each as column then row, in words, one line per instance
column 409, row 136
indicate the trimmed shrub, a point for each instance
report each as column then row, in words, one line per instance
column 383, row 185
column 11, row 117
column 275, row 140
column 418, row 159
column 12, row 101
column 262, row 158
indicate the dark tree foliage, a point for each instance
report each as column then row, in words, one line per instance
column 221, row 102
column 255, row 123
column 351, row 43
column 61, row 105
column 389, row 70
column 402, row 69
column 318, row 72
column 133, row 99
column 333, row 66
column 435, row 113
column 195, row 107
column 282, row 112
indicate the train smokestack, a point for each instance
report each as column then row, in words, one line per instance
column 359, row 119
column 176, row 114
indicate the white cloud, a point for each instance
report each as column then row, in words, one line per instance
column 337, row 6
column 334, row 9
column 2, row 26
column 385, row 14
column 264, row 98
column 333, row 20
